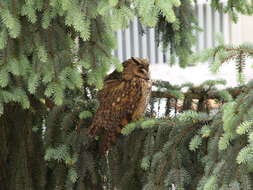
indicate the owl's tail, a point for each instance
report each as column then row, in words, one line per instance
column 93, row 130
column 103, row 138
column 106, row 137
column 106, row 141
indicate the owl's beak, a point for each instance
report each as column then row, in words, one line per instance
column 148, row 77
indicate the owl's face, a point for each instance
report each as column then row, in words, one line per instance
column 136, row 67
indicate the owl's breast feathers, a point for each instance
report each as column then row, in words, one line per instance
column 142, row 102
column 121, row 101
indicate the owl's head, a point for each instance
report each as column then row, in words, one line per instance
column 136, row 67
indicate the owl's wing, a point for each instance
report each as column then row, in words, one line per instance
column 110, row 82
column 116, row 105
column 113, row 76
column 118, row 100
column 110, row 86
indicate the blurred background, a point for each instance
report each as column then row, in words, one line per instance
column 140, row 41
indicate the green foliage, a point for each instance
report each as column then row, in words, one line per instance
column 11, row 23
column 72, row 175
column 192, row 116
column 3, row 38
column 4, row 78
column 234, row 7
column 195, row 143
column 53, row 58
column 33, row 82
column 147, row 124
column 128, row 128
column 225, row 95
column 211, row 183
column 196, row 150
column 205, row 131
column 85, row 114
column 60, row 153
column 145, row 163
column 175, row 30
column 224, row 53
column 245, row 155
column 166, row 8
column 244, row 127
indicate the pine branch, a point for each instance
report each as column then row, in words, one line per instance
column 198, row 93
column 249, row 51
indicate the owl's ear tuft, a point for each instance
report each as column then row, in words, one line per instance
column 126, row 63
column 146, row 61
column 136, row 60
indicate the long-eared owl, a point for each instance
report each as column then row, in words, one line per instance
column 123, row 99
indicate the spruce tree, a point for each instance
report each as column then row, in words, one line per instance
column 53, row 58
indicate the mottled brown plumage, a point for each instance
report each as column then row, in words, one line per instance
column 123, row 99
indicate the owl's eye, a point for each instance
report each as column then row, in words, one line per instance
column 142, row 70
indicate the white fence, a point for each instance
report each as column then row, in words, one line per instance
column 132, row 43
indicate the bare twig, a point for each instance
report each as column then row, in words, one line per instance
column 198, row 93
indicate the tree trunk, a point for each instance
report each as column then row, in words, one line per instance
column 21, row 150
